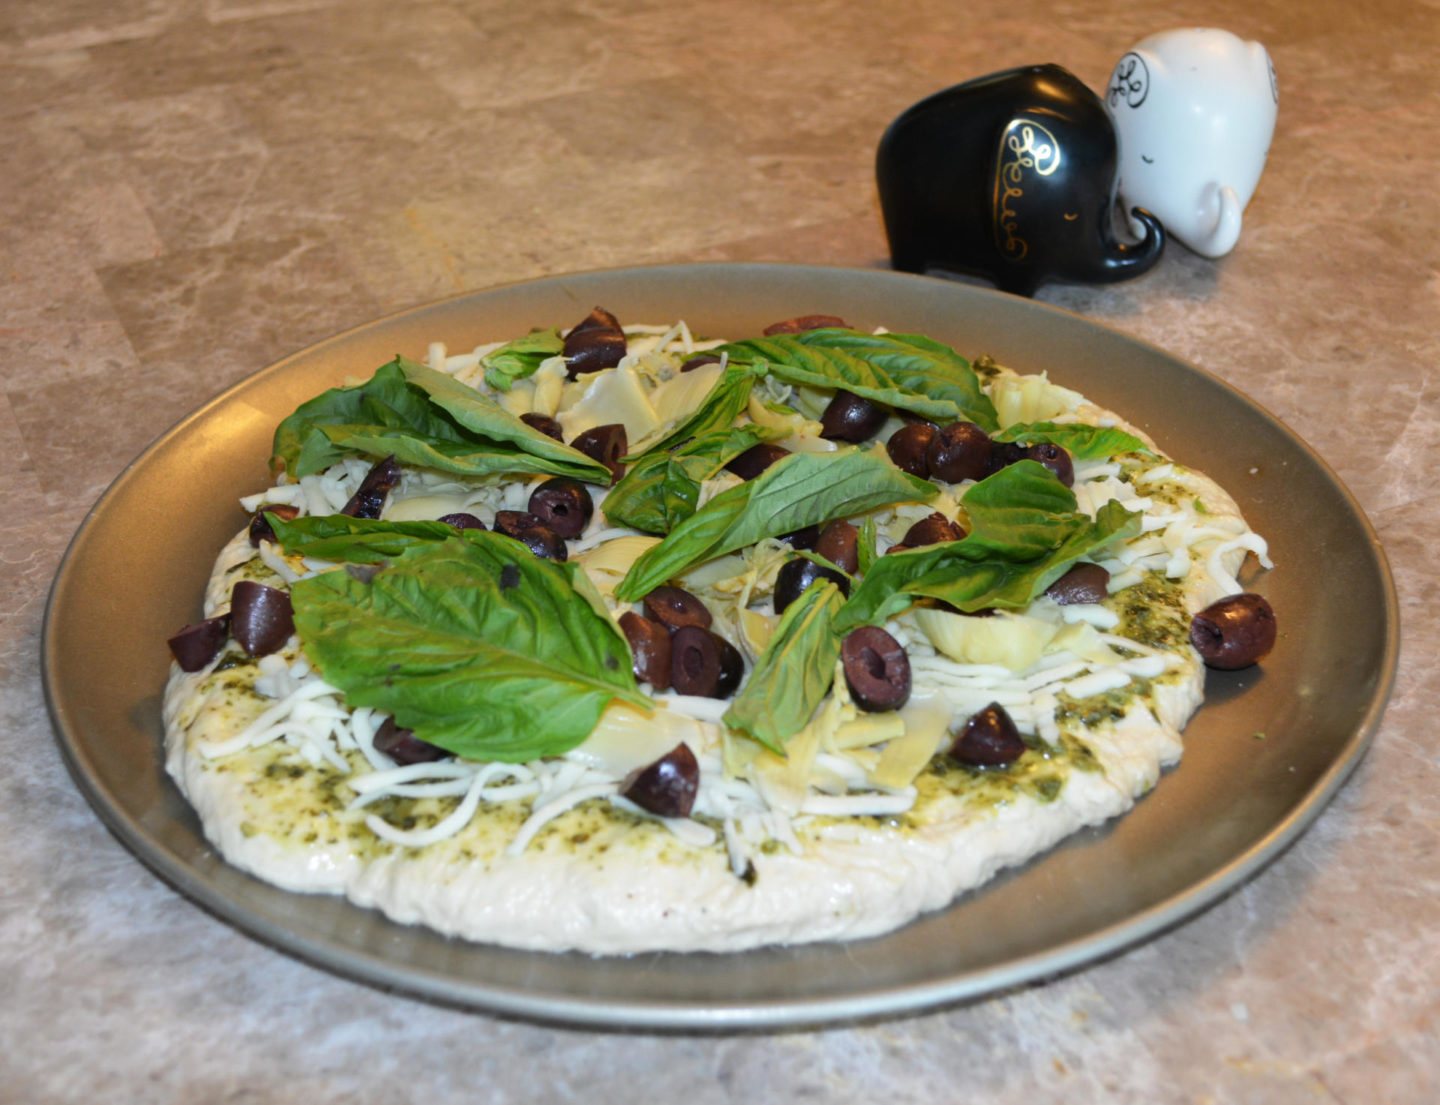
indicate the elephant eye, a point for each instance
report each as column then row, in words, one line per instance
column 1071, row 218
column 1147, row 160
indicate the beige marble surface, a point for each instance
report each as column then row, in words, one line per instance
column 190, row 190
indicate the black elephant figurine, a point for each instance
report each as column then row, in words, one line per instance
column 1010, row 177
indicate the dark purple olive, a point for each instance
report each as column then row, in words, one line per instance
column 649, row 648
column 260, row 525
column 989, row 739
column 803, row 538
column 261, row 617
column 369, row 499
column 1054, row 458
column 532, row 532
column 800, row 574
column 1082, row 583
column 839, row 543
column 700, row 360
column 607, row 444
column 756, row 459
column 674, row 608
column 197, row 644
column 851, row 417
column 403, row 746
column 1235, row 632
column 563, row 504
column 931, row 530
column 803, row 323
column 704, row 664
column 666, row 788
column 907, row 448
column 596, row 342
column 877, row 671
column 544, row 423
column 462, row 521
column 958, row 451
column 1002, row 455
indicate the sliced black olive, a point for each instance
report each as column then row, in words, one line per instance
column 607, row 444
column 803, row 538
column 756, row 459
column 700, row 360
column 461, row 521
column 261, row 617
column 931, row 530
column 544, row 423
column 1235, row 632
column 851, row 417
column 839, row 543
column 260, row 525
column 877, row 671
column 704, row 664
column 649, row 648
column 675, row 607
column 959, row 451
column 989, row 739
column 1054, row 458
column 596, row 342
column 563, row 504
column 369, row 499
column 666, row 788
column 528, row 529
column 403, row 746
column 197, row 644
column 803, row 323
column 1084, row 582
column 907, row 448
column 799, row 574
column 1002, row 455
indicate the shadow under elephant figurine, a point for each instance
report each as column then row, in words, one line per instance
column 1010, row 177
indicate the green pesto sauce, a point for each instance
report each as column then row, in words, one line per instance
column 1152, row 612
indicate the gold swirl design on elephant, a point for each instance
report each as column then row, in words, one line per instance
column 1025, row 146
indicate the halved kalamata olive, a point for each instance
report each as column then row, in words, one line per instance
column 931, row 530
column 1002, row 455
column 851, row 417
column 877, row 671
column 532, row 532
column 803, row 323
column 799, row 574
column 596, row 342
column 260, row 525
column 462, row 521
column 958, row 451
column 563, row 504
column 839, row 543
column 907, row 447
column 675, row 607
column 607, row 444
column 197, row 644
column 261, row 617
column 704, row 664
column 1235, row 632
column 700, row 360
column 1054, row 458
column 544, row 423
column 756, row 459
column 649, row 648
column 403, row 746
column 803, row 538
column 666, row 788
column 369, row 499
column 1082, row 583
column 989, row 739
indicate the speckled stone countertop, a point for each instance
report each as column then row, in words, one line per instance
column 191, row 189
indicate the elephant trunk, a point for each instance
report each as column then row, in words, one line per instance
column 1122, row 260
column 1222, row 216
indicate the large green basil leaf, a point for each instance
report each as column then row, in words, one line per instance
column 478, row 646
column 520, row 358
column 354, row 540
column 1081, row 441
column 801, row 490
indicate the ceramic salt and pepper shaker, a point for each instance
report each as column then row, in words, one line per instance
column 1009, row 177
column 1195, row 111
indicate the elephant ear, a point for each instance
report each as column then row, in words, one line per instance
column 1129, row 83
column 1025, row 152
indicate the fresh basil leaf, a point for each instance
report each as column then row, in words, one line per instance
column 472, row 642
column 354, row 540
column 801, row 490
column 794, row 672
column 1082, row 442
column 520, row 358
column 717, row 411
column 865, row 546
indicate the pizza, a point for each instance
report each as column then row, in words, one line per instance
column 618, row 639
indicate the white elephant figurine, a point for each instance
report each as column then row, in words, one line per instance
column 1195, row 111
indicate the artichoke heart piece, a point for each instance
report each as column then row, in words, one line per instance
column 609, row 397
column 1030, row 399
column 1014, row 641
